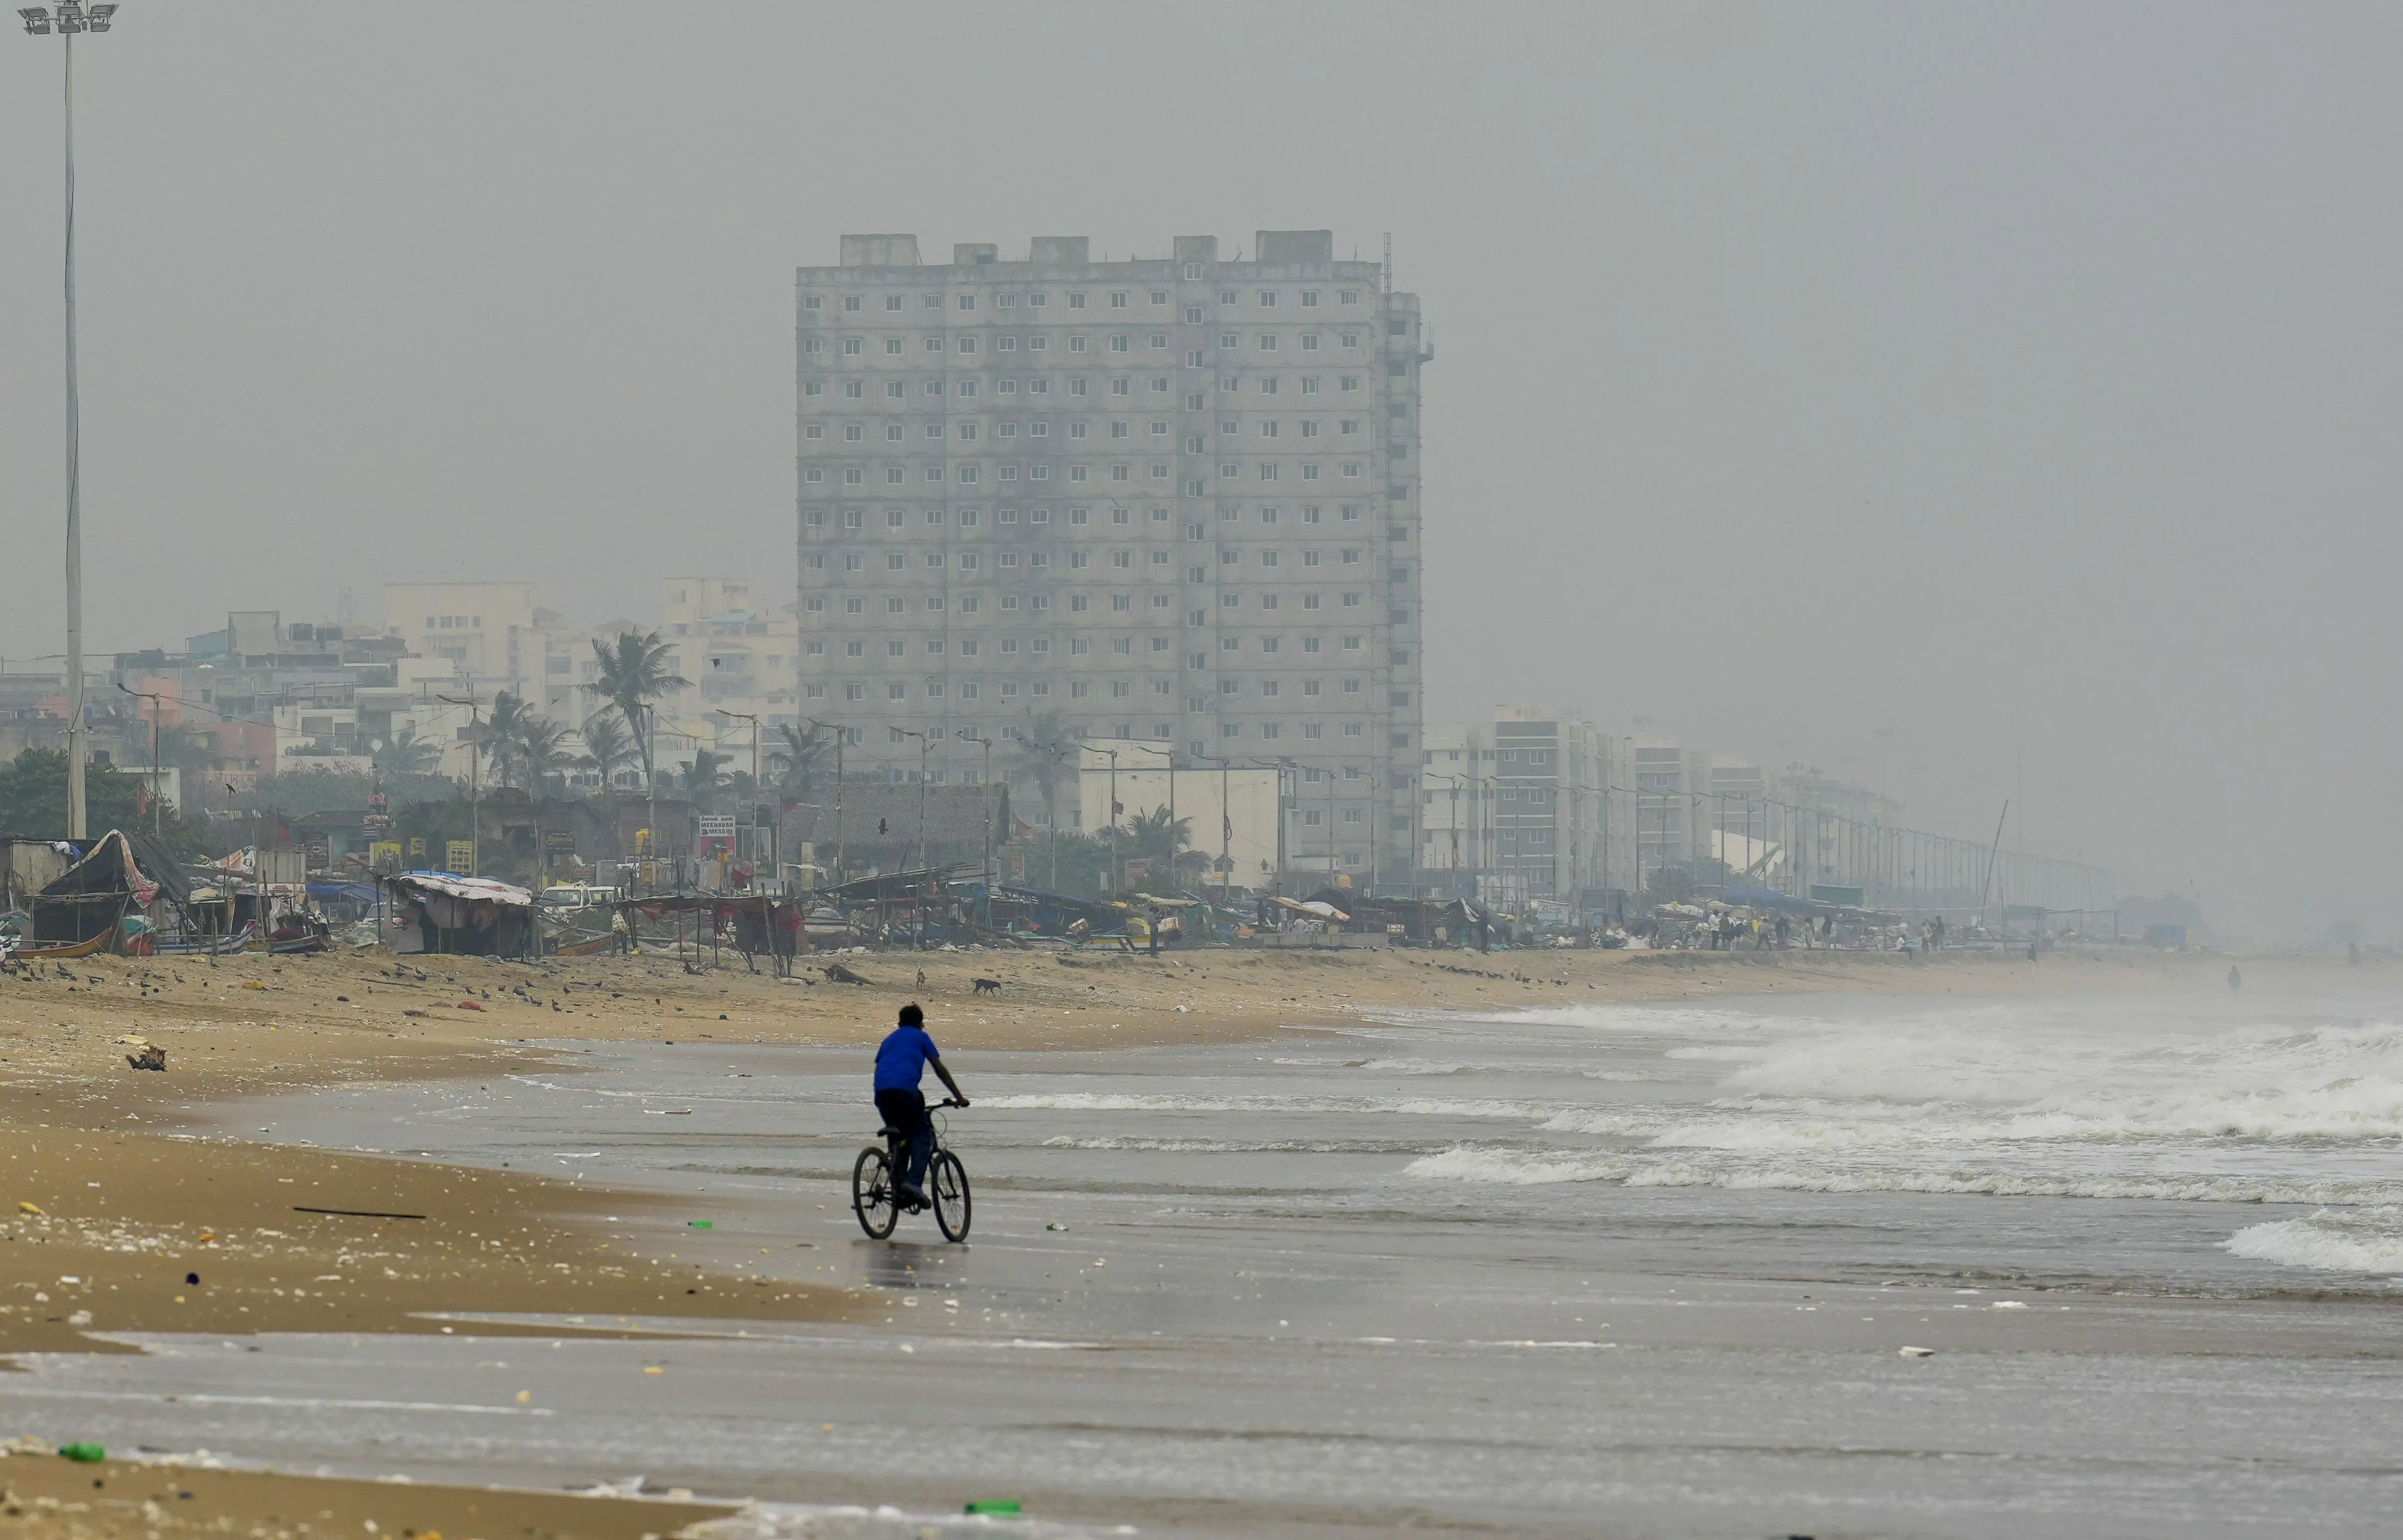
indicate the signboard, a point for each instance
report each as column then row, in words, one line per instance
column 384, row 856
column 417, row 848
column 459, row 855
column 1137, row 872
column 559, row 840
column 717, row 835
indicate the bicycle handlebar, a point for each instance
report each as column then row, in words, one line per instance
column 950, row 1102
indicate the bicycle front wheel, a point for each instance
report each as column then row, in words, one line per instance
column 872, row 1197
column 948, row 1182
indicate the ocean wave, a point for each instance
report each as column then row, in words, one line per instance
column 1519, row 1167
column 2353, row 1241
column 1235, row 1146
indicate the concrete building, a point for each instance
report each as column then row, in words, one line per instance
column 1673, row 799
column 483, row 630
column 1174, row 499
column 1233, row 811
column 738, row 660
column 1534, row 804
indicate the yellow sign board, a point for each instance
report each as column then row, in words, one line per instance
column 384, row 856
column 459, row 856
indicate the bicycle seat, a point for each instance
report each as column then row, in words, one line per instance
column 888, row 1133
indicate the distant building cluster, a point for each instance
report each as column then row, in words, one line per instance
column 1138, row 538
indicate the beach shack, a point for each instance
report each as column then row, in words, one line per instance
column 432, row 911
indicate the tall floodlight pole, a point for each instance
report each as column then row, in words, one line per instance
column 67, row 19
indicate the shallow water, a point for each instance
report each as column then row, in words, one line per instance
column 1600, row 1269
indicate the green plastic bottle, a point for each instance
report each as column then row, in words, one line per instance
column 998, row 1507
column 90, row 1454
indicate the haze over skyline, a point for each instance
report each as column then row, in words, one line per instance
column 1980, row 406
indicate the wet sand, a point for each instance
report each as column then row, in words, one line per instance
column 43, row 1497
column 105, row 1184
column 248, row 1025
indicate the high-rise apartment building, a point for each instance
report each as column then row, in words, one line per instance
column 1174, row 499
column 1537, row 803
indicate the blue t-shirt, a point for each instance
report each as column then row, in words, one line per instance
column 901, row 1059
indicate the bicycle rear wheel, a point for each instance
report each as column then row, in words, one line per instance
column 872, row 1197
column 947, row 1181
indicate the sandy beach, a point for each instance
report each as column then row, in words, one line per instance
column 137, row 1203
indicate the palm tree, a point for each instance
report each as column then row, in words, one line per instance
column 795, row 758
column 542, row 749
column 500, row 738
column 634, row 673
column 704, row 776
column 408, row 754
column 1041, row 749
column 606, row 744
column 1157, row 837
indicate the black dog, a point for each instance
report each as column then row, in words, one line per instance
column 987, row 986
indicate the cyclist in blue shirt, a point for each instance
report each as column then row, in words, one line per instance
column 901, row 1062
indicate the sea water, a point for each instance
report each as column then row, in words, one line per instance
column 1602, row 1269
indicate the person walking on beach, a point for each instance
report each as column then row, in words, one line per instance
column 901, row 1062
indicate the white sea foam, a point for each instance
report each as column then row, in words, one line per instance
column 2366, row 1240
column 1525, row 1167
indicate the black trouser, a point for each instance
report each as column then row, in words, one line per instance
column 905, row 1110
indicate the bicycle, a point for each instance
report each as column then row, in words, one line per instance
column 874, row 1192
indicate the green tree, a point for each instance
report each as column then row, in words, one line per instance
column 1043, row 751
column 797, row 754
column 408, row 754
column 705, row 777
column 606, row 744
column 1157, row 837
column 1669, row 885
column 633, row 674
column 34, row 800
column 1080, row 861
column 500, row 738
column 542, row 751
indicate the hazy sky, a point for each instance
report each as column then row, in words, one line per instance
column 1913, row 391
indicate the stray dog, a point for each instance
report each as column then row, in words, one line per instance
column 987, row 986
column 152, row 1057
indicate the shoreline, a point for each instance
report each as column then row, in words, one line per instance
column 117, row 1219
column 255, row 1025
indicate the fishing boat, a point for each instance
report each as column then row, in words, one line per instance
column 91, row 948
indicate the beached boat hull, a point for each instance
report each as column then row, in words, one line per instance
column 79, row 948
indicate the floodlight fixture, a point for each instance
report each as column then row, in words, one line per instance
column 37, row 20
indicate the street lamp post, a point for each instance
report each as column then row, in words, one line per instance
column 984, row 793
column 746, row 717
column 918, row 910
column 1169, row 754
column 158, row 815
column 840, row 733
column 66, row 20
column 475, row 753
